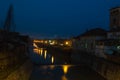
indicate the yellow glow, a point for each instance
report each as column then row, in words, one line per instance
column 45, row 51
column 36, row 41
column 41, row 54
column 49, row 41
column 61, row 44
column 46, row 42
column 52, row 59
column 41, row 41
column 35, row 50
column 65, row 68
column 52, row 43
column 35, row 45
column 45, row 55
column 66, row 42
column 41, row 50
column 64, row 77
column 52, row 67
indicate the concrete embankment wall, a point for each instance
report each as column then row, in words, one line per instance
column 22, row 73
column 108, row 69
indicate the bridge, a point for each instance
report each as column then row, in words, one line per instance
column 52, row 42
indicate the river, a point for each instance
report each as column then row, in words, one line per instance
column 52, row 65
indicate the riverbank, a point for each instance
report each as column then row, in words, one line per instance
column 53, row 64
column 106, row 68
column 21, row 73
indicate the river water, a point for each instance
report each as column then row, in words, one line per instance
column 52, row 65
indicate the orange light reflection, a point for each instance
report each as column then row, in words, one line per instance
column 52, row 59
column 65, row 68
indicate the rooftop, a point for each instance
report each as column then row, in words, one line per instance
column 115, row 30
column 115, row 8
column 93, row 32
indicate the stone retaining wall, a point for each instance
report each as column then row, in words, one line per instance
column 108, row 69
column 22, row 73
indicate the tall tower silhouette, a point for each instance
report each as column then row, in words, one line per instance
column 9, row 25
column 115, row 18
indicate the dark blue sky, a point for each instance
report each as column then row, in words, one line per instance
column 58, row 17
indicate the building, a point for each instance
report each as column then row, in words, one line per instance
column 87, row 41
column 114, row 32
column 115, row 18
column 76, row 43
column 99, row 41
column 111, row 44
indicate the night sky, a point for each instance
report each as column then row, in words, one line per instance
column 56, row 18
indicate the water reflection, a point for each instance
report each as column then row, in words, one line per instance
column 52, row 59
column 64, row 77
column 47, row 72
column 41, row 50
column 65, row 68
column 54, row 69
column 35, row 45
column 43, row 53
column 35, row 50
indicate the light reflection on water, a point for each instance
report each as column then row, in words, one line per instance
column 53, row 67
column 43, row 53
column 65, row 68
column 52, row 59
column 64, row 77
column 41, row 50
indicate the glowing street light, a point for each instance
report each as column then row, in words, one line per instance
column 66, row 42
